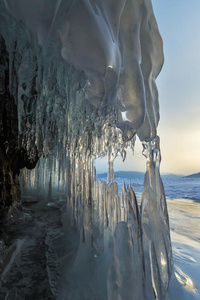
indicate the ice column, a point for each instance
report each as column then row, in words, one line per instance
column 155, row 224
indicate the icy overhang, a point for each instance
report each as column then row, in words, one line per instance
column 116, row 43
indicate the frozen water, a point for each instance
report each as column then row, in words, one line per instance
column 84, row 87
column 118, row 46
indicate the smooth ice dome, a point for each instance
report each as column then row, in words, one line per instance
column 118, row 46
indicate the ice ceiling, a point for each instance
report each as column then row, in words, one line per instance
column 118, row 46
column 84, row 87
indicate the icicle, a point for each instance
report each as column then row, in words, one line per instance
column 50, row 189
column 110, row 174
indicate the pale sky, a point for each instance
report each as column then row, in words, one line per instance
column 179, row 85
column 179, row 91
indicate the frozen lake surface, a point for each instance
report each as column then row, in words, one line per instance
column 185, row 234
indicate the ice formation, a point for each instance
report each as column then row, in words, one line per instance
column 83, row 77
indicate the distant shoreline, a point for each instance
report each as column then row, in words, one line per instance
column 136, row 174
column 196, row 175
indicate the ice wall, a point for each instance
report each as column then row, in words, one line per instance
column 83, row 77
column 122, row 248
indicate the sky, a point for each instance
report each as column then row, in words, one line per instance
column 179, row 91
column 179, row 85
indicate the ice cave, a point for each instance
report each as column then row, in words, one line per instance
column 77, row 82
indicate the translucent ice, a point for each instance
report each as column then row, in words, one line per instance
column 108, row 53
column 118, row 47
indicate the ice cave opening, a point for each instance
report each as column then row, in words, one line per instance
column 77, row 82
